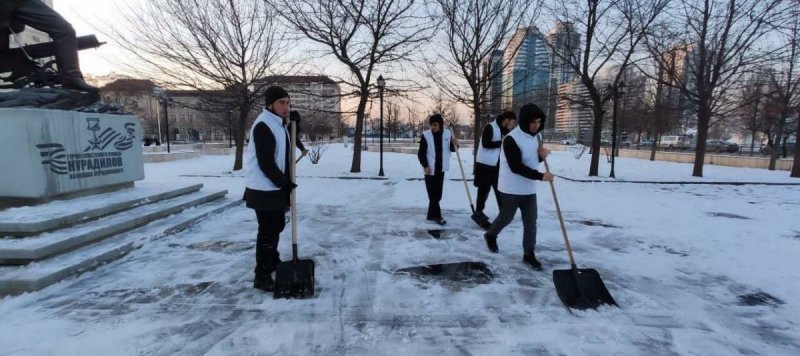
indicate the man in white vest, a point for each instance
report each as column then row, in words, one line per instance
column 434, row 156
column 487, row 161
column 520, row 155
column 268, row 183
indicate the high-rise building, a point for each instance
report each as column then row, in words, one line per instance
column 565, row 49
column 571, row 115
column 493, row 71
column 526, row 72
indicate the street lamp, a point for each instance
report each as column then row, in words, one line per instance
column 381, row 85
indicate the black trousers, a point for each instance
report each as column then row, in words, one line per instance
column 483, row 194
column 270, row 226
column 36, row 14
column 434, row 185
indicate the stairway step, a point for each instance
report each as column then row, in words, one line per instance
column 40, row 274
column 33, row 220
column 24, row 250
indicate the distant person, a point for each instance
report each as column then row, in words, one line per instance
column 488, row 159
column 268, row 183
column 16, row 14
column 434, row 156
column 519, row 171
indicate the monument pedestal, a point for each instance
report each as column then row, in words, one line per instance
column 52, row 154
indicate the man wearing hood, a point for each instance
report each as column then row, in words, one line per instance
column 268, row 184
column 435, row 160
column 487, row 161
column 520, row 155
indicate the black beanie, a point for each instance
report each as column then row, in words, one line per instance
column 528, row 113
column 436, row 118
column 274, row 93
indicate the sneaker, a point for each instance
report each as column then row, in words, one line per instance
column 530, row 259
column 491, row 242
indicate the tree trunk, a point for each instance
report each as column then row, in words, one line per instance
column 752, row 142
column 703, row 120
column 596, row 137
column 355, row 167
column 796, row 163
column 239, row 137
column 776, row 143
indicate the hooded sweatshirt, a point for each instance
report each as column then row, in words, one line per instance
column 519, row 156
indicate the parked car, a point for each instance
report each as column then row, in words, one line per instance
column 645, row 144
column 675, row 142
column 569, row 141
column 721, row 146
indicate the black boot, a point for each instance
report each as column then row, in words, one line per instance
column 266, row 284
column 530, row 259
column 491, row 242
column 439, row 220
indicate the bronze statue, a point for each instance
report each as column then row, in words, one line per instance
column 14, row 16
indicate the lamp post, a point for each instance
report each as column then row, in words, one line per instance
column 381, row 85
column 617, row 92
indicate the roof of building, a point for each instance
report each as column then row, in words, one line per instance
column 296, row 79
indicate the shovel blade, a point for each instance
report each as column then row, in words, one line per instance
column 581, row 288
column 294, row 279
column 484, row 223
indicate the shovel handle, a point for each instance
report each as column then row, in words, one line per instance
column 293, row 195
column 558, row 211
column 463, row 176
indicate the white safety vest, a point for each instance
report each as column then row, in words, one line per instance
column 431, row 154
column 489, row 156
column 511, row 183
column 255, row 178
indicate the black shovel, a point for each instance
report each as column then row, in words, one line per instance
column 483, row 223
column 295, row 278
column 578, row 288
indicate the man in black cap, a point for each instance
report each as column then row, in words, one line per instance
column 487, row 160
column 435, row 160
column 16, row 14
column 268, row 184
column 519, row 171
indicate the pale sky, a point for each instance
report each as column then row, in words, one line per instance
column 80, row 13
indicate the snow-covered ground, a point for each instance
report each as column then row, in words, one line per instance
column 696, row 269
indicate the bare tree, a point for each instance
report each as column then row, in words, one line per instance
column 611, row 32
column 473, row 32
column 716, row 41
column 786, row 82
column 392, row 124
column 204, row 45
column 362, row 35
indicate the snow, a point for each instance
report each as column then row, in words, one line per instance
column 679, row 259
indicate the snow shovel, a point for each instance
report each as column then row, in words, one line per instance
column 295, row 278
column 483, row 223
column 301, row 157
column 578, row 288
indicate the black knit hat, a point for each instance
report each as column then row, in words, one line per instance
column 274, row 93
column 528, row 113
column 436, row 118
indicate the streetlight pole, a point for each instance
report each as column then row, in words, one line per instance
column 166, row 120
column 381, row 85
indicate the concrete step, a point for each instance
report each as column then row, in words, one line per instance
column 33, row 220
column 37, row 275
column 17, row 251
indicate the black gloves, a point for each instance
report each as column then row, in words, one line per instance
column 294, row 116
column 289, row 187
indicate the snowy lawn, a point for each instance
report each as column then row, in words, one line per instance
column 697, row 270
